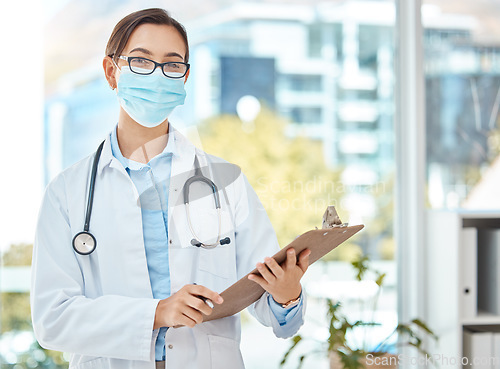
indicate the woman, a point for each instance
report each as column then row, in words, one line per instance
column 139, row 296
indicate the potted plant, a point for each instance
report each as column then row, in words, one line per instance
column 342, row 353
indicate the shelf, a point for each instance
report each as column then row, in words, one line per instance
column 463, row 300
column 482, row 319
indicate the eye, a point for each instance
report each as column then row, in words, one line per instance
column 175, row 65
column 141, row 65
column 174, row 69
column 141, row 61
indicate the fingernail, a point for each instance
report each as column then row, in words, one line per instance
column 220, row 300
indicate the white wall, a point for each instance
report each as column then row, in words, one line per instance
column 21, row 119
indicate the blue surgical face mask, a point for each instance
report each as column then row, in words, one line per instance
column 149, row 99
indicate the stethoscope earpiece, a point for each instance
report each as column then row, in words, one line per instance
column 224, row 241
column 195, row 242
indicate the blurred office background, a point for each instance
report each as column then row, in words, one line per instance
column 308, row 88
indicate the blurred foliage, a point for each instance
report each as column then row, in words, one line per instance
column 15, row 311
column 346, row 353
column 386, row 248
column 494, row 141
column 18, row 255
column 288, row 174
column 16, row 317
column 37, row 358
column 379, row 230
column 15, row 305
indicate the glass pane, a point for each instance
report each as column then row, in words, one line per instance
column 326, row 91
column 462, row 68
column 300, row 95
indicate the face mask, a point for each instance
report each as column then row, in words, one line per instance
column 149, row 99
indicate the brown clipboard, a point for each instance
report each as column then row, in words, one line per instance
column 245, row 292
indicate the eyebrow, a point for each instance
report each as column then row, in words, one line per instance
column 147, row 52
column 142, row 50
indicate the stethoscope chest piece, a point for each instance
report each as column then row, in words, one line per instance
column 84, row 243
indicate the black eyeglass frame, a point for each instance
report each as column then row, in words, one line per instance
column 129, row 58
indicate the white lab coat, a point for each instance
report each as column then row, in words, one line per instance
column 100, row 307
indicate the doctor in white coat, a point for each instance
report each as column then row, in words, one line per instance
column 136, row 300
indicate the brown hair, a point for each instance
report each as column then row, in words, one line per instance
column 124, row 28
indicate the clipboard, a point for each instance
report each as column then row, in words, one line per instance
column 245, row 292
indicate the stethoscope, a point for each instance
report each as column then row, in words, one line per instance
column 85, row 243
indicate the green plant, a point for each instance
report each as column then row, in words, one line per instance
column 339, row 327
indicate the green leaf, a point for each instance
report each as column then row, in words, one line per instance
column 422, row 351
column 295, row 340
column 362, row 323
column 424, row 326
column 301, row 361
column 361, row 266
column 352, row 360
column 404, row 329
column 380, row 279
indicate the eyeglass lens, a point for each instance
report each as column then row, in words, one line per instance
column 144, row 66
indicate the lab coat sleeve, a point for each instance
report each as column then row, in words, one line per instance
column 256, row 239
column 63, row 318
column 284, row 315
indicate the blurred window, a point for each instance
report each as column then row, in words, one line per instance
column 462, row 67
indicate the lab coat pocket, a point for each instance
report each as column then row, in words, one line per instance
column 216, row 261
column 224, row 353
column 86, row 362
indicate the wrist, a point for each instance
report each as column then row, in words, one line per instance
column 292, row 303
column 289, row 298
column 158, row 321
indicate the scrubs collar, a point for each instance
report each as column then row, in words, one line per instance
column 170, row 148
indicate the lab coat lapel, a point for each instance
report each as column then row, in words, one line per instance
column 117, row 221
column 180, row 256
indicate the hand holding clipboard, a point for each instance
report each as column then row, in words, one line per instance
column 245, row 292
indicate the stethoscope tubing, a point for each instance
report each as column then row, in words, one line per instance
column 199, row 177
column 90, row 200
column 196, row 238
column 85, row 243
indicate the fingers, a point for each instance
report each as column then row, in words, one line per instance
column 266, row 273
column 186, row 307
column 198, row 290
column 304, row 260
column 184, row 320
column 291, row 258
column 274, row 267
column 194, row 315
column 198, row 304
column 259, row 280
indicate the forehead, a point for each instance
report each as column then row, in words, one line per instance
column 159, row 39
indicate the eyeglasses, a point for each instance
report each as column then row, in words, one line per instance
column 147, row 66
